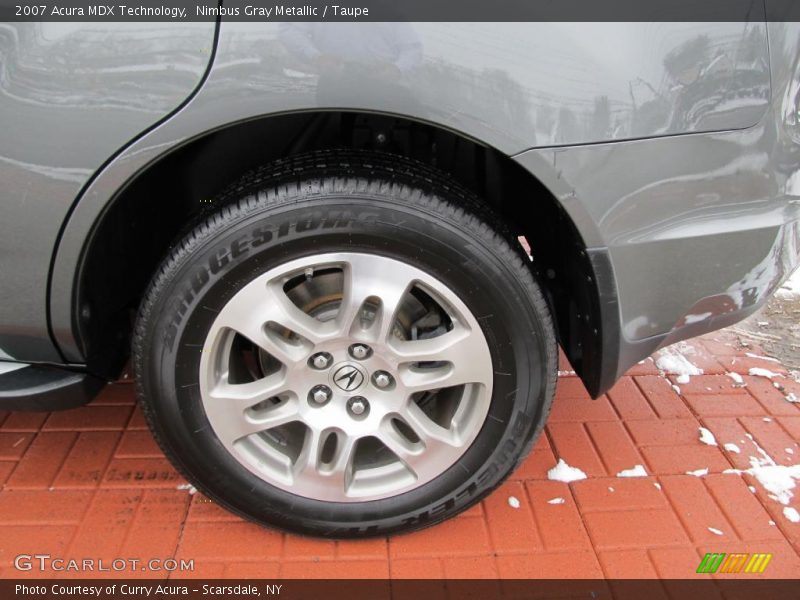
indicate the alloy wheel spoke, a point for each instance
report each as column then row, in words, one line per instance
column 233, row 424
column 409, row 453
column 366, row 278
column 312, row 471
column 284, row 312
column 341, row 466
column 251, row 313
column 245, row 395
column 307, row 464
column 432, row 436
column 456, row 358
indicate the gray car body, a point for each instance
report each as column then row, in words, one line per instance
column 672, row 147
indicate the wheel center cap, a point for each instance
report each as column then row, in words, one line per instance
column 349, row 377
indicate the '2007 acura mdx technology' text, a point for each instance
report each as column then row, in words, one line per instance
column 341, row 256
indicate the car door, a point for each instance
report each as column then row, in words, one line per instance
column 72, row 95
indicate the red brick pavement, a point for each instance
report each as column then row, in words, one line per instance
column 91, row 482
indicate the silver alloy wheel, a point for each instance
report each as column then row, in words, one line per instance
column 367, row 441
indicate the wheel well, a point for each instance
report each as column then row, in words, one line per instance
column 153, row 211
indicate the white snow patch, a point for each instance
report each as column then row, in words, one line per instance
column 791, row 397
column 759, row 372
column 767, row 358
column 789, row 451
column 513, row 502
column 189, row 487
column 556, row 501
column 564, row 473
column 698, row 472
column 779, row 480
column 771, row 522
column 566, row 373
column 707, row 437
column 790, row 287
column 682, row 379
column 689, row 319
column 658, row 485
column 636, row 471
column 752, row 488
column 731, row 447
column 791, row 514
column 674, row 363
column 610, row 489
column 767, row 420
column 677, row 389
column 715, row 531
column 737, row 379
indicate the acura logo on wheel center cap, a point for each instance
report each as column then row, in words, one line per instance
column 348, row 378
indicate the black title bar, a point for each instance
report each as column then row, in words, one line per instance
column 383, row 589
column 402, row 10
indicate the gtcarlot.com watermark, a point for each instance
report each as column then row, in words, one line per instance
column 46, row 562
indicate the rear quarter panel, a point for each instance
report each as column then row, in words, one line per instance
column 511, row 85
column 514, row 86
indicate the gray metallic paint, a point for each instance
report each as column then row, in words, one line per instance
column 708, row 146
column 71, row 95
column 701, row 228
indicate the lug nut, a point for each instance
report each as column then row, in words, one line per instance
column 360, row 351
column 382, row 380
column 321, row 360
column 358, row 406
column 320, row 394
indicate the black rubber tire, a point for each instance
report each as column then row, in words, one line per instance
column 336, row 201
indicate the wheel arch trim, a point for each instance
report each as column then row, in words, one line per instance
column 151, row 149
